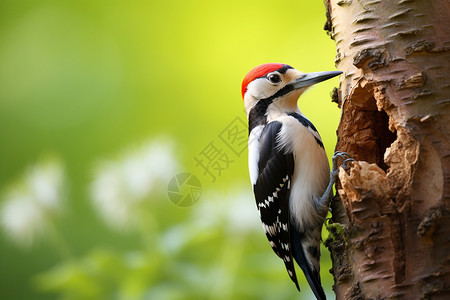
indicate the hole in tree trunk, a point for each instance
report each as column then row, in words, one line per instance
column 384, row 137
column 364, row 131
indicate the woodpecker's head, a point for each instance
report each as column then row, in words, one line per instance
column 279, row 84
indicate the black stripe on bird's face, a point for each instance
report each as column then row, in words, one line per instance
column 257, row 115
column 280, row 93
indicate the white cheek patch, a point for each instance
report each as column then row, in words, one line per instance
column 260, row 88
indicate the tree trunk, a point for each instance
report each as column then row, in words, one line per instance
column 391, row 227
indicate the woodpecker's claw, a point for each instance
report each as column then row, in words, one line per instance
column 334, row 172
column 345, row 163
column 337, row 155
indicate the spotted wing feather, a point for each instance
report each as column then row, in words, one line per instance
column 272, row 187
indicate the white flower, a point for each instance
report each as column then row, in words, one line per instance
column 22, row 218
column 242, row 215
column 137, row 176
column 120, row 186
column 108, row 192
column 236, row 210
column 45, row 182
column 29, row 204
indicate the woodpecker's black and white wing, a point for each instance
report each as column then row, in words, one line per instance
column 272, row 187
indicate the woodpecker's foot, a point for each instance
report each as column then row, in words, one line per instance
column 334, row 172
column 347, row 159
column 345, row 156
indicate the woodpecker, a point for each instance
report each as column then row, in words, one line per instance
column 288, row 166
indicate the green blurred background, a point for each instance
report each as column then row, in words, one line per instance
column 101, row 104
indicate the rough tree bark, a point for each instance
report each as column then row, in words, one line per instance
column 390, row 231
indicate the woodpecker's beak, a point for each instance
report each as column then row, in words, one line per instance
column 308, row 79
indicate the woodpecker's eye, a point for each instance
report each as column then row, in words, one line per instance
column 274, row 78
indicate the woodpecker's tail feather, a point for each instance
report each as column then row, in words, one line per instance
column 312, row 276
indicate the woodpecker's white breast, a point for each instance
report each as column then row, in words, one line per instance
column 253, row 152
column 311, row 170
